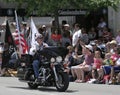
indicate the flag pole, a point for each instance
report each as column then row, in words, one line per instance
column 16, row 54
column 17, row 24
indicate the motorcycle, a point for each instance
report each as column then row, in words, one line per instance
column 51, row 71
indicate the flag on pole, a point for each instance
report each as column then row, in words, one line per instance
column 8, row 36
column 34, row 32
column 22, row 42
column 19, row 38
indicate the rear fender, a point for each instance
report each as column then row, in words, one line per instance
column 28, row 73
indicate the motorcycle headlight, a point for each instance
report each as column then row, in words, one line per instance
column 52, row 60
column 59, row 59
column 22, row 64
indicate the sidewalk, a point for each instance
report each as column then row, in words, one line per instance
column 11, row 73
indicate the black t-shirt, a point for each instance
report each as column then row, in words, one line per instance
column 79, row 49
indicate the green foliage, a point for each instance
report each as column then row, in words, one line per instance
column 52, row 6
column 95, row 4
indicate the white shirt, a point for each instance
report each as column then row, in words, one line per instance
column 37, row 47
column 118, row 39
column 102, row 24
column 76, row 37
column 40, row 47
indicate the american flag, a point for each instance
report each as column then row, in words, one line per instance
column 19, row 38
column 20, row 42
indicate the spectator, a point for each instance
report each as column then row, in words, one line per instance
column 40, row 30
column 55, row 38
column 77, row 35
column 84, row 37
column 107, row 35
column 96, row 48
column 65, row 40
column 100, row 27
column 5, row 59
column 66, row 29
column 98, row 61
column 113, row 45
column 45, row 33
column 92, row 34
column 86, row 66
column 24, row 30
column 118, row 79
column 76, row 58
column 118, row 37
column 69, row 59
column 110, row 66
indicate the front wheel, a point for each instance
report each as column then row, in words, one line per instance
column 63, row 81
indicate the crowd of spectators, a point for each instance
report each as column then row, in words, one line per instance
column 94, row 54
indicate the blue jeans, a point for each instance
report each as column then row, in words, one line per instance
column 36, row 68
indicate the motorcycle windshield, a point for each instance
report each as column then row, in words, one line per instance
column 54, row 51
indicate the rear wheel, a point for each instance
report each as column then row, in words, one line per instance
column 63, row 82
column 31, row 80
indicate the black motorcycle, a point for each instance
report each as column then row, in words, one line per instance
column 51, row 71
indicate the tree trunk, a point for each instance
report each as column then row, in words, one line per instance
column 57, row 22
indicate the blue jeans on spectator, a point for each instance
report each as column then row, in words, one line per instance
column 36, row 68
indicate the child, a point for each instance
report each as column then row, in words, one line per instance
column 108, row 67
column 97, row 60
column 116, row 67
column 96, row 65
column 109, row 62
column 68, row 59
column 117, row 70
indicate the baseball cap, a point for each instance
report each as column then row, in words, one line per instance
column 93, row 43
column 67, row 25
column 89, row 47
column 43, row 26
column 23, row 22
column 113, row 42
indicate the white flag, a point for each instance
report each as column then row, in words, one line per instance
column 34, row 32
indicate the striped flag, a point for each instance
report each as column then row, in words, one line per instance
column 19, row 38
column 20, row 41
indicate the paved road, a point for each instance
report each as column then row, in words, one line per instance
column 11, row 86
column 2, row 36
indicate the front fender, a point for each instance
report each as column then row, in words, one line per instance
column 59, row 68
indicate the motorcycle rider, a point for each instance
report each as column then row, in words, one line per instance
column 37, row 58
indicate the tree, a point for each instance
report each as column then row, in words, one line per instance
column 52, row 7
